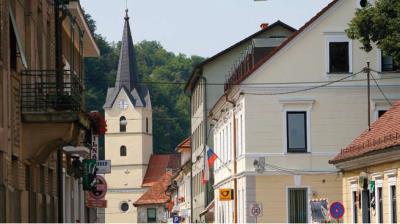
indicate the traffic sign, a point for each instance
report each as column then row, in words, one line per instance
column 176, row 219
column 103, row 166
column 336, row 210
column 101, row 188
column 225, row 194
column 256, row 209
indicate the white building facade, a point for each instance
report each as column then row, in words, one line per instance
column 292, row 113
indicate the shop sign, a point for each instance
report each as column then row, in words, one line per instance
column 89, row 174
column 225, row 194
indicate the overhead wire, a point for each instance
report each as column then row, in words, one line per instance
column 240, row 84
column 380, row 89
column 305, row 89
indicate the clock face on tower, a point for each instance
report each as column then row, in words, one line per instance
column 123, row 104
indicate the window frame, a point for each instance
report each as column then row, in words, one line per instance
column 122, row 149
column 122, row 128
column 297, row 150
column 390, row 201
column 147, row 215
column 335, row 38
column 307, row 191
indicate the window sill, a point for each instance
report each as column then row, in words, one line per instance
column 339, row 73
column 287, row 152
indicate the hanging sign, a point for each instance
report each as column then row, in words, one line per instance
column 225, row 194
column 89, row 174
column 94, row 153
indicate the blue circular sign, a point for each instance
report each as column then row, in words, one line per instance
column 336, row 210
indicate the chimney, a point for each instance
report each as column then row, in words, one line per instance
column 264, row 26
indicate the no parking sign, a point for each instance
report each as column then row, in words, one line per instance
column 336, row 210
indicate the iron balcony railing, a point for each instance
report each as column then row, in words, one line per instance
column 42, row 91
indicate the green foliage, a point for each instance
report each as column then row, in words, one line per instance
column 157, row 69
column 379, row 24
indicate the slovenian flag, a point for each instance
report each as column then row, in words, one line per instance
column 211, row 157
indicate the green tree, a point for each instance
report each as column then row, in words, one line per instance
column 379, row 24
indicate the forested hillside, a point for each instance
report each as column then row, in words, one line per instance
column 159, row 70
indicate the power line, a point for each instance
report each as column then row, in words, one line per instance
column 380, row 89
column 306, row 89
column 243, row 84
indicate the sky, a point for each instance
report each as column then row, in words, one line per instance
column 196, row 27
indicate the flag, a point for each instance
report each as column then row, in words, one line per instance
column 211, row 157
column 208, row 162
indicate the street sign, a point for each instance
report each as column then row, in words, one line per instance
column 101, row 188
column 256, row 209
column 225, row 194
column 336, row 210
column 94, row 203
column 103, row 166
column 176, row 219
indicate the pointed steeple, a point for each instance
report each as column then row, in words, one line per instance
column 127, row 75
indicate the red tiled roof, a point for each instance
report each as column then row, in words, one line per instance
column 384, row 133
column 287, row 41
column 184, row 145
column 158, row 165
column 157, row 194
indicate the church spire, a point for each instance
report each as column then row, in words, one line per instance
column 127, row 75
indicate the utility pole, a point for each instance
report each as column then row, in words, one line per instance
column 369, row 96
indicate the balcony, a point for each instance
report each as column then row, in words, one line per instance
column 45, row 98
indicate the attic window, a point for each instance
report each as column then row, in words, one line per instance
column 338, row 54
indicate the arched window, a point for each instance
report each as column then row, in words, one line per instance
column 122, row 124
column 122, row 151
column 147, row 125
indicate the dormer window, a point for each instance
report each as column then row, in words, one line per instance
column 122, row 124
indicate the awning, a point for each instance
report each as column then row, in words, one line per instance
column 17, row 36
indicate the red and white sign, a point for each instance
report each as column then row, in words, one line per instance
column 101, row 188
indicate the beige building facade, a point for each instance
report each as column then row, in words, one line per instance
column 290, row 114
column 41, row 109
column 129, row 140
column 204, row 95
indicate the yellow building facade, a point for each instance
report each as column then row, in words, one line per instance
column 370, row 166
column 128, row 141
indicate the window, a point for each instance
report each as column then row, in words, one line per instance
column 354, row 207
column 124, row 207
column 381, row 112
column 147, row 125
column 122, row 124
column 122, row 151
column 393, row 206
column 379, row 203
column 151, row 215
column 389, row 64
column 339, row 57
column 13, row 47
column 297, row 207
column 296, row 131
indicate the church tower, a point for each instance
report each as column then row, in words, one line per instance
column 128, row 141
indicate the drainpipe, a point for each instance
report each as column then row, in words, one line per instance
column 59, row 74
column 235, row 213
column 205, row 138
column 191, row 160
